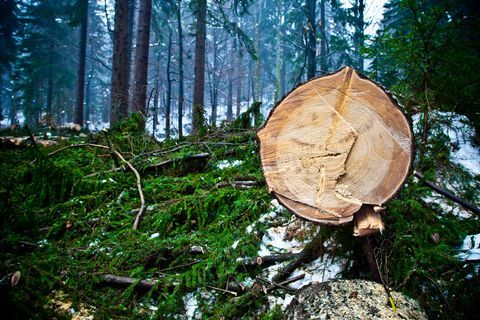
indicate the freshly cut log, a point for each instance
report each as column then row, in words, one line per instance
column 335, row 146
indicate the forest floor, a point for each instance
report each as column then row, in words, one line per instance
column 211, row 239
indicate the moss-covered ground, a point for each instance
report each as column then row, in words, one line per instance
column 76, row 209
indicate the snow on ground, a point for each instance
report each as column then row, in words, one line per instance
column 224, row 164
column 457, row 127
column 470, row 249
column 320, row 270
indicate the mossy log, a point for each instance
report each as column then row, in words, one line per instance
column 335, row 146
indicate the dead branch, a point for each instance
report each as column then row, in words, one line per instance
column 311, row 251
column 122, row 281
column 445, row 193
column 266, row 261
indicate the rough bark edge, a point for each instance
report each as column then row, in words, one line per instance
column 394, row 102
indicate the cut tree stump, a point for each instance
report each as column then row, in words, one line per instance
column 335, row 146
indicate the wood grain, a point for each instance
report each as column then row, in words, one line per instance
column 335, row 144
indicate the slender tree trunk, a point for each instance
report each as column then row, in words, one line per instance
column 131, row 23
column 139, row 100
column 230, row 84
column 88, row 87
column 81, row 63
column 256, row 89
column 311, row 38
column 119, row 100
column 180, row 69
column 199, row 84
column 278, row 54
column 156, row 95
column 213, row 86
column 239, row 76
column 49, row 99
column 323, row 42
column 359, row 8
column 169, row 88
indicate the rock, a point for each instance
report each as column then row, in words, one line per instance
column 351, row 299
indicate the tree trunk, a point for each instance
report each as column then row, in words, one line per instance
column 230, row 84
column 156, row 95
column 139, row 99
column 199, row 84
column 323, row 42
column 88, row 87
column 328, row 154
column 169, row 88
column 81, row 63
column 131, row 23
column 311, row 37
column 49, row 99
column 119, row 99
column 213, row 83
column 180, row 69
column 359, row 8
column 239, row 76
column 278, row 55
column 258, row 16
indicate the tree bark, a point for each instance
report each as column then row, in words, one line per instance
column 139, row 99
column 120, row 70
column 131, row 23
column 278, row 54
column 180, row 69
column 311, row 38
column 156, row 95
column 230, row 84
column 199, row 84
column 359, row 8
column 81, row 63
column 239, row 76
column 169, row 88
column 323, row 42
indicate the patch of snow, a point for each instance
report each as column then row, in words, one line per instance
column 192, row 310
column 470, row 249
column 275, row 238
column 447, row 207
column 283, row 302
column 250, row 228
column 223, row 164
column 277, row 206
column 155, row 235
column 42, row 242
column 320, row 270
column 235, row 244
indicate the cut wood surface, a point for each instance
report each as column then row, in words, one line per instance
column 334, row 145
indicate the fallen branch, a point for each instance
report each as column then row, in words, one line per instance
column 311, row 251
column 266, row 261
column 447, row 194
column 122, row 281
